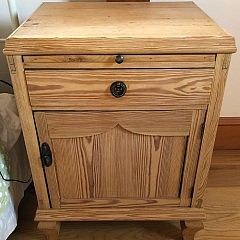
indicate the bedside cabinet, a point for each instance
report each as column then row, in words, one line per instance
column 119, row 105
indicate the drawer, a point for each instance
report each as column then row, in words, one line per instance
column 120, row 61
column 145, row 89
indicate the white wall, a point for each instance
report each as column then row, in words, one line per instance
column 5, row 29
column 25, row 9
column 225, row 12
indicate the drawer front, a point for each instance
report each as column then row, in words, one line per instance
column 122, row 158
column 145, row 89
column 120, row 61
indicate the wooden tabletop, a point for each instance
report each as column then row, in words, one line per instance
column 102, row 27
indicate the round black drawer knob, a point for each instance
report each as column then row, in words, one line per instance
column 119, row 59
column 118, row 89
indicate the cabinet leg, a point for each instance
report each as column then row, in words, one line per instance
column 190, row 228
column 50, row 229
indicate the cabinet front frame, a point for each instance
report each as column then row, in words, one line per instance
column 28, row 126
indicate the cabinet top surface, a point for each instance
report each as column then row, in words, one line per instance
column 176, row 27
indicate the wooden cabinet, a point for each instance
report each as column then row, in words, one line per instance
column 119, row 117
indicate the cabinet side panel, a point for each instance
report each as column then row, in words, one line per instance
column 28, row 128
column 211, row 124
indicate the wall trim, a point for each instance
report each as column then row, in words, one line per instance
column 228, row 134
column 128, row 0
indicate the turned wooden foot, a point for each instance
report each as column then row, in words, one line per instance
column 50, row 229
column 190, row 228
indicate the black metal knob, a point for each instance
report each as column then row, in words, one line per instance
column 119, row 59
column 46, row 155
column 47, row 161
column 118, row 89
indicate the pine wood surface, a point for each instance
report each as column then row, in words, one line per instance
column 113, row 171
column 190, row 228
column 191, row 157
column 224, row 227
column 158, row 168
column 225, row 166
column 83, row 124
column 43, row 136
column 99, row 167
column 50, row 229
column 118, row 28
column 28, row 128
column 226, row 160
column 102, row 161
column 146, row 89
column 119, row 203
column 88, row 136
column 123, row 214
column 130, row 61
column 210, row 130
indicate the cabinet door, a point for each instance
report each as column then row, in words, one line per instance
column 122, row 158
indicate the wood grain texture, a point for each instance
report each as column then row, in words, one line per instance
column 138, row 108
column 210, row 130
column 111, row 214
column 121, row 45
column 43, row 136
column 224, row 214
column 119, row 203
column 230, row 176
column 224, row 160
column 108, row 61
column 225, row 166
column 50, row 229
column 118, row 28
column 82, row 124
column 222, row 197
column 191, row 158
column 146, row 89
column 219, row 235
column 101, row 157
column 126, row 160
column 103, row 166
column 29, row 132
column 190, row 229
column 222, row 201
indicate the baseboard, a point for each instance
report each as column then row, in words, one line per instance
column 128, row 0
column 228, row 134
